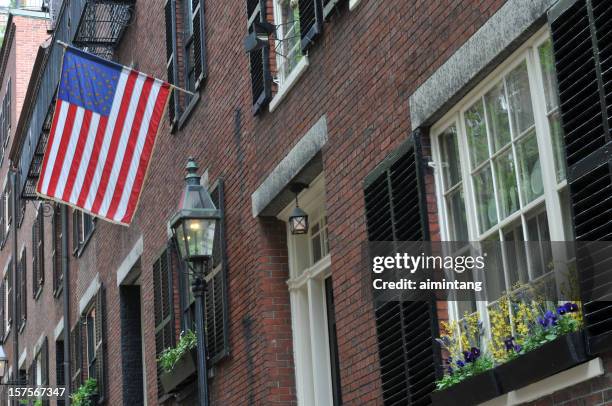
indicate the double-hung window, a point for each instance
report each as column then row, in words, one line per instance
column 83, row 226
column 288, row 49
column 186, row 17
column 312, row 307
column 500, row 170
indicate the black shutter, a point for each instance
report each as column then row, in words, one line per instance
column 100, row 343
column 215, row 298
column 261, row 78
column 199, row 41
column 23, row 294
column 3, row 218
column 60, row 377
column 76, row 231
column 582, row 42
column 37, row 251
column 163, row 306
column 10, row 309
column 56, row 246
column 311, row 21
column 396, row 211
column 3, row 313
column 76, row 356
column 171, row 65
column 44, row 362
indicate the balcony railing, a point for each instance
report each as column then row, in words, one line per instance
column 96, row 26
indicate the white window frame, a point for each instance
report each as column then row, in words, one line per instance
column 308, row 305
column 285, row 80
column 550, row 201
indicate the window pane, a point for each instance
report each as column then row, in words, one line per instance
column 541, row 254
column 521, row 111
column 556, row 134
column 457, row 216
column 477, row 134
column 505, row 173
column 516, row 257
column 485, row 201
column 529, row 169
column 450, row 156
column 549, row 75
column 289, row 47
column 497, row 115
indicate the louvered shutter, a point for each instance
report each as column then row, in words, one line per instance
column 100, row 342
column 3, row 313
column 215, row 297
column 76, row 231
column 37, row 251
column 163, row 306
column 76, row 355
column 19, row 309
column 396, row 211
column 581, row 35
column 10, row 307
column 199, row 41
column 3, row 218
column 32, row 373
column 171, row 63
column 23, row 279
column 44, row 366
column 56, row 246
column 44, row 362
column 261, row 78
column 8, row 113
column 311, row 21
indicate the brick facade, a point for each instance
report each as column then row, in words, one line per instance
column 361, row 74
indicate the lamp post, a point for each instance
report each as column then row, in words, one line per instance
column 3, row 362
column 193, row 226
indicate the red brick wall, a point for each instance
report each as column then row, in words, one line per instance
column 361, row 74
column 43, row 314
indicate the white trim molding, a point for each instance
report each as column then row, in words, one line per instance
column 353, row 4
column 129, row 261
column 289, row 82
column 59, row 328
column 89, row 294
column 515, row 20
column 550, row 385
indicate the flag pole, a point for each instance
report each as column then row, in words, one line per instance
column 180, row 89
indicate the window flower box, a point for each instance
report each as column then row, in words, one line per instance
column 556, row 356
column 472, row 391
column 182, row 371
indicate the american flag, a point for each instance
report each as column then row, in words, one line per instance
column 102, row 136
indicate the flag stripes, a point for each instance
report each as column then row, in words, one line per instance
column 94, row 161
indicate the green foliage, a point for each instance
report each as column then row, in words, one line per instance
column 38, row 402
column 171, row 356
column 541, row 335
column 83, row 396
column 479, row 366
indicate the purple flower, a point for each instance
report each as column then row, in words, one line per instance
column 509, row 343
column 460, row 364
column 517, row 348
column 561, row 310
column 467, row 355
column 450, row 370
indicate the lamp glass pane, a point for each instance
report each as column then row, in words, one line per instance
column 299, row 224
column 180, row 239
column 200, row 235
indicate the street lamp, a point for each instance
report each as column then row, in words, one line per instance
column 193, row 226
column 3, row 362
